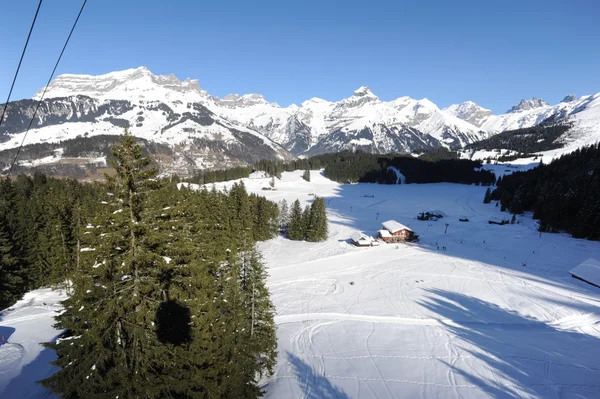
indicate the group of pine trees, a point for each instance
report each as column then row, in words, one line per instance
column 167, row 290
column 40, row 231
column 563, row 195
column 307, row 225
column 525, row 141
column 363, row 167
column 432, row 166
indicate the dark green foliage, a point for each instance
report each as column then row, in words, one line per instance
column 295, row 230
column 310, row 224
column 564, row 195
column 438, row 154
column 316, row 227
column 305, row 221
column 39, row 230
column 169, row 296
column 351, row 167
column 487, row 198
column 528, row 140
column 214, row 176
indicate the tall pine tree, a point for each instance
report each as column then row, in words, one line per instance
column 296, row 229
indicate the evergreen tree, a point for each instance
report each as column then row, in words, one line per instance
column 296, row 230
column 284, row 217
column 11, row 282
column 260, row 340
column 112, row 311
column 488, row 196
column 513, row 219
column 306, row 175
column 317, row 227
column 305, row 221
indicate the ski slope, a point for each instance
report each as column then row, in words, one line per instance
column 398, row 321
column 412, row 321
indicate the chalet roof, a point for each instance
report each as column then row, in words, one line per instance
column 384, row 234
column 360, row 236
column 588, row 271
column 392, row 226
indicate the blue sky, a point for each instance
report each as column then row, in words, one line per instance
column 493, row 53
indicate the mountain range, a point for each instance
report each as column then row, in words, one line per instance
column 205, row 131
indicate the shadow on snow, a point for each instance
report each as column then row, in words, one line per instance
column 530, row 357
column 313, row 386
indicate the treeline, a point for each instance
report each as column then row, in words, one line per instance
column 352, row 167
column 437, row 154
column 528, row 140
column 348, row 167
column 564, row 195
column 167, row 291
column 215, row 176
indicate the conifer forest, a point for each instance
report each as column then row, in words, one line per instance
column 167, row 294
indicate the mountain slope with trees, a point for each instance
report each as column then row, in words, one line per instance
column 563, row 195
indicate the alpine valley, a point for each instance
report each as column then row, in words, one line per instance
column 187, row 129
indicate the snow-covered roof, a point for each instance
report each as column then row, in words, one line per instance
column 384, row 233
column 360, row 237
column 392, row 226
column 588, row 271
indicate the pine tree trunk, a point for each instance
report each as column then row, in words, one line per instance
column 252, row 325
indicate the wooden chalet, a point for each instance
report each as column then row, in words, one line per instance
column 393, row 231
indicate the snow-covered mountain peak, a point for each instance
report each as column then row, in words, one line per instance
column 361, row 96
column 314, row 101
column 363, row 91
column 525, row 105
column 237, row 101
column 253, row 99
column 469, row 112
column 569, row 98
column 135, row 83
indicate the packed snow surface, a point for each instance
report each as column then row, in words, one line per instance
column 493, row 312
column 23, row 360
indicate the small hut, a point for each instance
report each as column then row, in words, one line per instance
column 363, row 240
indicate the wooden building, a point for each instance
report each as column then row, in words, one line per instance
column 393, row 231
column 363, row 240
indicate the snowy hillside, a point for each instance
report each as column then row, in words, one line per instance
column 160, row 109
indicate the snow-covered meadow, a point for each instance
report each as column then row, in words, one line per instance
column 404, row 320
